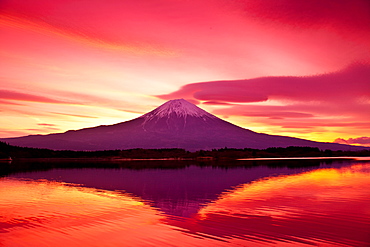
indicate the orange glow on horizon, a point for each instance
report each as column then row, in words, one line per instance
column 329, row 185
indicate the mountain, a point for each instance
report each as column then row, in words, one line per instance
column 175, row 124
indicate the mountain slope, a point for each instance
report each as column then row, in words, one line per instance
column 175, row 124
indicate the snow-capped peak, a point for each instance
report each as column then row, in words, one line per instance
column 178, row 107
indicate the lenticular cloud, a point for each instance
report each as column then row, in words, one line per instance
column 346, row 85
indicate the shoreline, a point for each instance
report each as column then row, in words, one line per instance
column 112, row 159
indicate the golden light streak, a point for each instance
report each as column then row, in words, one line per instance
column 7, row 20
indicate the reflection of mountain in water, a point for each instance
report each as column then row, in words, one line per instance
column 178, row 192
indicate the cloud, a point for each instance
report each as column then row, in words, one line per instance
column 8, row 102
column 317, row 110
column 214, row 103
column 14, row 95
column 339, row 14
column 107, row 33
column 47, row 130
column 46, row 124
column 364, row 140
column 246, row 31
column 73, row 115
column 279, row 115
column 349, row 84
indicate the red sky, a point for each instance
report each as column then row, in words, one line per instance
column 286, row 67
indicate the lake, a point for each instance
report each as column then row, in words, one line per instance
column 186, row 203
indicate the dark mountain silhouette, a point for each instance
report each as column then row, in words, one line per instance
column 175, row 124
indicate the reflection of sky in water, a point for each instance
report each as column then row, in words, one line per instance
column 178, row 192
column 221, row 206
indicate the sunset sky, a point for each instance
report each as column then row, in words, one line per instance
column 284, row 67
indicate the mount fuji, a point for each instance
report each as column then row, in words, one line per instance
column 175, row 124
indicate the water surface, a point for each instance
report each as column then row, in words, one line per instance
column 168, row 203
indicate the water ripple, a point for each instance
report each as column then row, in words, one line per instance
column 328, row 207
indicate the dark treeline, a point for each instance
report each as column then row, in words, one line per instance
column 16, row 152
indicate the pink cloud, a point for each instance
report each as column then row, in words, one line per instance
column 111, row 19
column 232, row 36
column 339, row 14
column 14, row 95
column 325, row 123
column 215, row 103
column 8, row 102
column 44, row 129
column 350, row 84
column 299, row 110
column 46, row 124
column 318, row 117
column 279, row 115
column 364, row 140
column 73, row 115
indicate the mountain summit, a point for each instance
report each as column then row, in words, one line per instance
column 177, row 116
column 175, row 124
column 178, row 108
